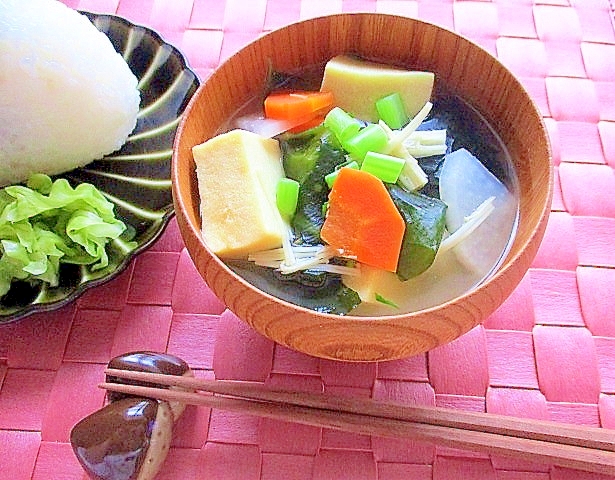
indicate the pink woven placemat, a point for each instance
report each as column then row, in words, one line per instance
column 548, row 352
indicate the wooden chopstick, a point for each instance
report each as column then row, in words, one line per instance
column 584, row 448
column 598, row 438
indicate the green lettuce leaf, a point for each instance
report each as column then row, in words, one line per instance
column 45, row 223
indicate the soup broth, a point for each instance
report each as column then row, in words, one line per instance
column 453, row 272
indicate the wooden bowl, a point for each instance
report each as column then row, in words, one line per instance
column 468, row 71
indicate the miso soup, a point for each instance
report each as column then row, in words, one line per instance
column 454, row 272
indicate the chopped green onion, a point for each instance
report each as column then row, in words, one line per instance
column 341, row 124
column 412, row 176
column 392, row 111
column 287, row 195
column 386, row 167
column 386, row 301
column 333, row 175
column 372, row 138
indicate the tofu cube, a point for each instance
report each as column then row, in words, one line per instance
column 357, row 84
column 237, row 176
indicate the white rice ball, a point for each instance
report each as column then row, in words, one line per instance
column 66, row 96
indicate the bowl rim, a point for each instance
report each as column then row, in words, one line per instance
column 507, row 263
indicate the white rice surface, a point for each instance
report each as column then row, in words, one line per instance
column 66, row 96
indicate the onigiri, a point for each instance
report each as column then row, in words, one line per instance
column 66, row 96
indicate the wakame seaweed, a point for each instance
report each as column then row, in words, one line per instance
column 465, row 128
column 320, row 291
column 424, row 217
column 308, row 158
column 306, row 80
column 431, row 165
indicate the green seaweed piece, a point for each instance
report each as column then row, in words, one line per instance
column 319, row 291
column 308, row 158
column 425, row 223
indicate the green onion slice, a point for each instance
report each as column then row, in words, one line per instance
column 386, row 167
column 330, row 178
column 392, row 111
column 287, row 195
column 341, row 124
column 372, row 138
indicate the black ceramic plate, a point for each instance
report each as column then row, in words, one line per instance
column 137, row 178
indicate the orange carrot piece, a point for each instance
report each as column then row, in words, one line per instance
column 297, row 104
column 314, row 122
column 363, row 221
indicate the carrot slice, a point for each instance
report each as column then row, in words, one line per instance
column 297, row 104
column 363, row 221
column 313, row 122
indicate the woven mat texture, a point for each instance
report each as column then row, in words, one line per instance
column 548, row 352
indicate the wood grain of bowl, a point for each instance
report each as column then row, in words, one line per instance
column 468, row 71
